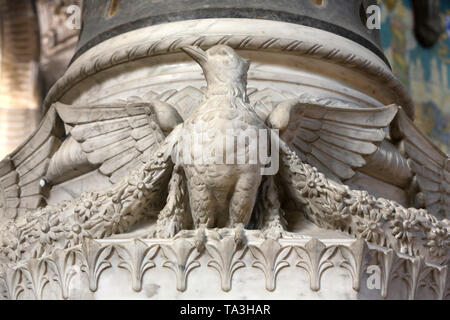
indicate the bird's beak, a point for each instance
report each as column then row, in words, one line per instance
column 196, row 53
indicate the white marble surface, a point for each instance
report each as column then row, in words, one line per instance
column 334, row 271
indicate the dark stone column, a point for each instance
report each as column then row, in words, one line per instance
column 105, row 19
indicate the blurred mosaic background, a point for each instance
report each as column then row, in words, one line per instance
column 424, row 72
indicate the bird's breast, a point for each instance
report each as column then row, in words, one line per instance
column 222, row 133
column 225, row 113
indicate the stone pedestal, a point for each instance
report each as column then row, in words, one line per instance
column 81, row 195
column 302, row 267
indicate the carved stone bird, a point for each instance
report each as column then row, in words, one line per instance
column 221, row 194
column 321, row 146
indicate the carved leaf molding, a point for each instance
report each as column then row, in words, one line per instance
column 270, row 258
column 353, row 257
column 94, row 260
column 417, row 274
column 226, row 259
column 137, row 257
column 315, row 258
column 36, row 273
column 181, row 257
column 12, row 284
column 385, row 259
column 438, row 282
column 409, row 270
column 62, row 265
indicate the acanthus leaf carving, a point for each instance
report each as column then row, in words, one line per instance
column 270, row 258
column 441, row 280
column 434, row 278
column 36, row 272
column 137, row 257
column 226, row 259
column 94, row 260
column 12, row 284
column 414, row 267
column 385, row 259
column 315, row 259
column 62, row 263
column 416, row 277
column 353, row 260
column 181, row 257
column 417, row 274
column 326, row 202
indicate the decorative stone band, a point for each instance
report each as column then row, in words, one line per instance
column 97, row 264
column 328, row 204
column 242, row 34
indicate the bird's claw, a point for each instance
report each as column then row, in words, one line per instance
column 274, row 231
column 200, row 238
column 239, row 235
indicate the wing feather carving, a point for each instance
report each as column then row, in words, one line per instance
column 112, row 165
column 22, row 170
column 337, row 140
column 113, row 136
column 101, row 141
column 74, row 140
column 97, row 157
column 429, row 165
column 370, row 134
column 83, row 132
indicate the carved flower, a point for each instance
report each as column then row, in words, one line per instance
column 387, row 208
column 138, row 193
column 87, row 207
column 49, row 230
column 429, row 218
column 75, row 235
column 13, row 248
column 313, row 184
column 14, row 242
column 337, row 214
column 405, row 225
column 362, row 204
column 371, row 227
column 437, row 241
column 136, row 187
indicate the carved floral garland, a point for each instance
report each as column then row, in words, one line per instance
column 328, row 204
column 380, row 221
column 93, row 215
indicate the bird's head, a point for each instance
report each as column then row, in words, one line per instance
column 225, row 71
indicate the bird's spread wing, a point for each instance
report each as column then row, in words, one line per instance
column 335, row 140
column 93, row 215
column 114, row 137
column 74, row 140
column 430, row 166
column 335, row 206
column 21, row 171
